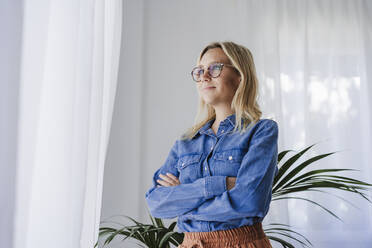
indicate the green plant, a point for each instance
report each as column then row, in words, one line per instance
column 155, row 235
column 289, row 181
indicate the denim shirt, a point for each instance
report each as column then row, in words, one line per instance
column 202, row 202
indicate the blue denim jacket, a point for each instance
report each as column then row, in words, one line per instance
column 202, row 202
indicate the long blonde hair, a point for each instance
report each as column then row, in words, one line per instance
column 244, row 102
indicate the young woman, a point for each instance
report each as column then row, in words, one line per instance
column 218, row 176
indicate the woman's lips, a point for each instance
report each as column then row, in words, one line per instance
column 209, row 88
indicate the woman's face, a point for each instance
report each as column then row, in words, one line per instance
column 217, row 91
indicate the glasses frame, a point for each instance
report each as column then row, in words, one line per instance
column 219, row 63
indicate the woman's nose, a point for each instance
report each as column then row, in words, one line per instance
column 205, row 75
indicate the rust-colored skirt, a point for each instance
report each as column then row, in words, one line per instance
column 242, row 237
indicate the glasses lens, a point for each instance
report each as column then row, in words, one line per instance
column 196, row 72
column 215, row 70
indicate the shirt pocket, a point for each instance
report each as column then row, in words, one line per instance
column 227, row 162
column 189, row 167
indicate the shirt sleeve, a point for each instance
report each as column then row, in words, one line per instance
column 170, row 202
column 251, row 195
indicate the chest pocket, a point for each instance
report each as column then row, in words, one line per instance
column 187, row 160
column 227, row 162
column 230, row 156
column 189, row 167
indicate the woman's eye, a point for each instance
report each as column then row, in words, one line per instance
column 215, row 67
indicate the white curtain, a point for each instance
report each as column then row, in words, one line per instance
column 68, row 70
column 314, row 62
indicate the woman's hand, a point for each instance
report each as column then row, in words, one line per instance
column 230, row 182
column 168, row 180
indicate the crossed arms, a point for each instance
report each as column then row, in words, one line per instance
column 216, row 198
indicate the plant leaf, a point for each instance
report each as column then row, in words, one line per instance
column 298, row 168
column 284, row 243
column 288, row 164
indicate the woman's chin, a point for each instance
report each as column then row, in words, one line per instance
column 209, row 102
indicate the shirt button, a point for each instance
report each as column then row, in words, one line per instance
column 223, row 131
column 212, row 148
column 183, row 164
column 230, row 157
column 205, row 168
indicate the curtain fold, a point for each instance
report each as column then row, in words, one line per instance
column 69, row 65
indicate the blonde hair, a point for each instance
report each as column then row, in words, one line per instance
column 244, row 102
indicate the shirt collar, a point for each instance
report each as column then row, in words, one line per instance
column 230, row 120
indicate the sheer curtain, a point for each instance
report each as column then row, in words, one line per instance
column 314, row 66
column 68, row 65
column 314, row 62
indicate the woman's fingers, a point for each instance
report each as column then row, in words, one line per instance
column 174, row 178
column 164, row 183
column 169, row 180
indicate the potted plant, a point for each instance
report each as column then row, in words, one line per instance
column 290, row 180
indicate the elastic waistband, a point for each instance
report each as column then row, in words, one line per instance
column 247, row 233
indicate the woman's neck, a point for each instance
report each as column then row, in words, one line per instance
column 220, row 116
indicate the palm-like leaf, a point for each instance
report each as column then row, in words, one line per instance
column 284, row 230
column 155, row 235
column 289, row 180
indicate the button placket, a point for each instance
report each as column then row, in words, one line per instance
column 209, row 155
column 205, row 164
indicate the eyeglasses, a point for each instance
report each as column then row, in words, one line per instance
column 214, row 70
